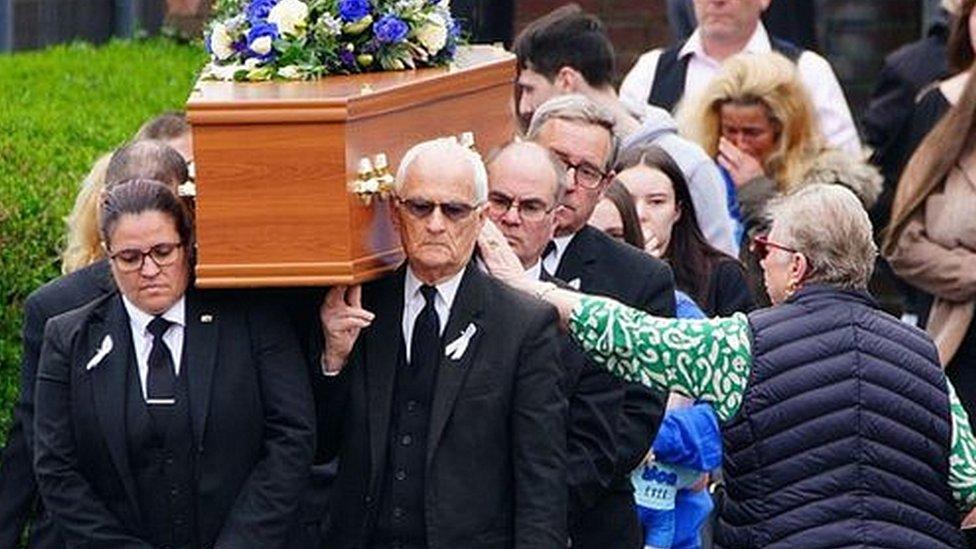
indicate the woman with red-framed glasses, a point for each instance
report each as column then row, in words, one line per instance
column 825, row 402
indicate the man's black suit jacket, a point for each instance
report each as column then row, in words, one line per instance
column 496, row 444
column 251, row 412
column 612, row 423
column 19, row 502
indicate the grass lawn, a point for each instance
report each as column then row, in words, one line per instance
column 60, row 109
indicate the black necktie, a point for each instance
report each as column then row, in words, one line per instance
column 550, row 249
column 425, row 343
column 161, row 380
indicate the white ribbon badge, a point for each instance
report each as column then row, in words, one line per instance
column 455, row 349
column 574, row 284
column 102, row 351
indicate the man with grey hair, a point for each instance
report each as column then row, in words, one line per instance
column 146, row 159
column 440, row 390
column 579, row 132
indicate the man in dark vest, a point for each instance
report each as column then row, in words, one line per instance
column 440, row 388
column 663, row 77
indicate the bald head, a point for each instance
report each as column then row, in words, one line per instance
column 530, row 161
column 146, row 159
column 526, row 183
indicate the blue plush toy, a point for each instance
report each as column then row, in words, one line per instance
column 687, row 445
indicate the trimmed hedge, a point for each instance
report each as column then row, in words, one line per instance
column 60, row 109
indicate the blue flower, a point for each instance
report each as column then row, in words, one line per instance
column 453, row 27
column 348, row 58
column 390, row 29
column 260, row 40
column 257, row 10
column 354, row 10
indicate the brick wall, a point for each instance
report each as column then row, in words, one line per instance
column 635, row 26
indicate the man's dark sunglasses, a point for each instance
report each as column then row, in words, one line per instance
column 421, row 208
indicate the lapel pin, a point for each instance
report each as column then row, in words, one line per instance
column 574, row 284
column 455, row 350
column 104, row 349
column 206, row 319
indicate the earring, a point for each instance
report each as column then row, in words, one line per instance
column 791, row 288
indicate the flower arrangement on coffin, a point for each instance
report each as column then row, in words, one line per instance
column 254, row 40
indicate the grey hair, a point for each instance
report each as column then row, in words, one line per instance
column 577, row 108
column 558, row 168
column 146, row 159
column 828, row 224
column 451, row 146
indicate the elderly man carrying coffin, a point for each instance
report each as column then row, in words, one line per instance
column 444, row 400
column 838, row 424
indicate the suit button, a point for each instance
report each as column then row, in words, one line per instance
column 174, row 492
column 368, row 499
column 397, row 512
column 411, row 405
column 406, row 440
column 400, row 475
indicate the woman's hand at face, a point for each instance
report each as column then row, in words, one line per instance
column 498, row 256
column 741, row 166
column 653, row 246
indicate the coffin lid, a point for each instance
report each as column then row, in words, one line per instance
column 346, row 98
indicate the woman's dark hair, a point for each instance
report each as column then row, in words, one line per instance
column 135, row 196
column 960, row 46
column 620, row 197
column 691, row 257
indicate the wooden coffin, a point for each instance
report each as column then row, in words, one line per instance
column 275, row 163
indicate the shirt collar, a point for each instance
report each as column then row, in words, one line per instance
column 141, row 319
column 446, row 289
column 534, row 272
column 758, row 43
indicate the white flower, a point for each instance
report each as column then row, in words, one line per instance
column 290, row 17
column 261, row 45
column 433, row 35
column 251, row 63
column 222, row 72
column 332, row 25
column 291, row 72
column 221, row 42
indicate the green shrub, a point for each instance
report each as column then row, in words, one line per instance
column 60, row 109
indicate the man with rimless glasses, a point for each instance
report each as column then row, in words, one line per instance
column 440, row 389
column 580, row 133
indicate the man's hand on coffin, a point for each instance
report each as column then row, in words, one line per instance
column 343, row 317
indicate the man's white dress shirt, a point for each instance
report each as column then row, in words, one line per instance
column 815, row 72
column 414, row 302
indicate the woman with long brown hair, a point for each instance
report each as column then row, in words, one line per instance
column 931, row 242
column 713, row 279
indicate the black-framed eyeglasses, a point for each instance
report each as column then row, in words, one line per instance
column 530, row 209
column 762, row 245
column 585, row 174
column 130, row 260
column 421, row 208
